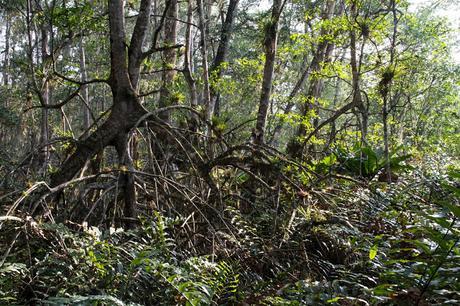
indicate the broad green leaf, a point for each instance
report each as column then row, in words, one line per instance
column 373, row 251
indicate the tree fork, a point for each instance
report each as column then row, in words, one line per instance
column 127, row 109
column 120, row 122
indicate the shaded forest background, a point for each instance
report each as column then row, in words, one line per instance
column 165, row 152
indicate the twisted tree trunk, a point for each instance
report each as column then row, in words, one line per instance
column 126, row 108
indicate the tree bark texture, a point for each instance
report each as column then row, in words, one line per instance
column 45, row 96
column 126, row 107
column 270, row 44
column 222, row 51
column 209, row 106
column 188, row 67
column 86, row 111
column 6, row 52
column 355, row 71
column 169, row 59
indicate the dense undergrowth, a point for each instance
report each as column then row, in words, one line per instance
column 317, row 234
column 240, row 152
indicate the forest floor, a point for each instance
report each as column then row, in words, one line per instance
column 341, row 240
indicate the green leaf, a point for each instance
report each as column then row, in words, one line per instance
column 439, row 219
column 334, row 300
column 373, row 251
column 183, row 286
column 383, row 289
column 329, row 160
column 454, row 174
column 454, row 209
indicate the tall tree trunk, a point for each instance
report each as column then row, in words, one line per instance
column 44, row 123
column 162, row 145
column 209, row 106
column 221, row 54
column 169, row 59
column 126, row 109
column 6, row 53
column 86, row 111
column 385, row 91
column 6, row 67
column 270, row 45
column 357, row 99
column 188, row 68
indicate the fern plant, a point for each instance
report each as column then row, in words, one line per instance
column 367, row 162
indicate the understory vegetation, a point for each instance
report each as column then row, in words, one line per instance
column 241, row 153
column 335, row 241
